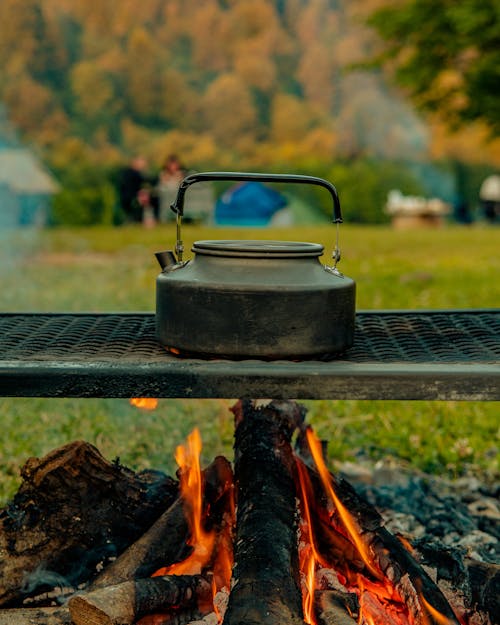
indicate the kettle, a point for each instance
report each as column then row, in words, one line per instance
column 262, row 299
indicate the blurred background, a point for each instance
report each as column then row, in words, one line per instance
column 375, row 96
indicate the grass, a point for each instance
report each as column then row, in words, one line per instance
column 103, row 269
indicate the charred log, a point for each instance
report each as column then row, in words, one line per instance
column 391, row 556
column 165, row 541
column 73, row 510
column 123, row 604
column 337, row 550
column 485, row 587
column 265, row 587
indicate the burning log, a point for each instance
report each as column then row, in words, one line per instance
column 335, row 608
column 343, row 551
column 73, row 510
column 265, row 588
column 393, row 558
column 123, row 604
column 165, row 541
column 390, row 557
column 337, row 549
column 35, row 616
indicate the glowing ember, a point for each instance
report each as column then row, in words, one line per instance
column 173, row 350
column 145, row 403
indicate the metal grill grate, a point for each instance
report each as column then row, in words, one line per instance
column 396, row 354
column 382, row 337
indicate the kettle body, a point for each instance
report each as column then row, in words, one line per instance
column 254, row 299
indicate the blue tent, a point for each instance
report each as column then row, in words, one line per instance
column 248, row 204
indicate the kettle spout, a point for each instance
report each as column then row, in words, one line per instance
column 166, row 259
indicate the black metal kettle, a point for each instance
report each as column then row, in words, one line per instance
column 253, row 298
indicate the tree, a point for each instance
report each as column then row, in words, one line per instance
column 93, row 91
column 290, row 118
column 447, row 54
column 143, row 75
column 228, row 109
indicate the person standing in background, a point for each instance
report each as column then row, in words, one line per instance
column 171, row 175
column 489, row 197
column 132, row 180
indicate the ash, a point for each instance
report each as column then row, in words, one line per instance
column 462, row 516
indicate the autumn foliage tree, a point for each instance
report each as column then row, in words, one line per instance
column 446, row 54
column 234, row 83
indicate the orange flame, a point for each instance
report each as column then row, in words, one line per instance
column 436, row 615
column 223, row 560
column 191, row 486
column 309, row 555
column 207, row 546
column 145, row 403
column 345, row 516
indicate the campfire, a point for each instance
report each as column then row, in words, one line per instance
column 275, row 539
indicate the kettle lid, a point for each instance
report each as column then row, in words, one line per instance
column 258, row 248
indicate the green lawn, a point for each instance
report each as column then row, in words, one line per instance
column 104, row 269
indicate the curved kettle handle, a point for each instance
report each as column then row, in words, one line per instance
column 178, row 205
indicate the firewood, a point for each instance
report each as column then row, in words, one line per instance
column 35, row 616
column 123, row 604
column 265, row 587
column 472, row 587
column 390, row 556
column 337, row 550
column 165, row 541
column 484, row 581
column 73, row 510
column 332, row 608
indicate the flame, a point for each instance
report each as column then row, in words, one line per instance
column 310, row 586
column 207, row 546
column 345, row 516
column 191, row 486
column 223, row 560
column 216, row 608
column 145, row 403
column 437, row 617
column 309, row 555
column 379, row 601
